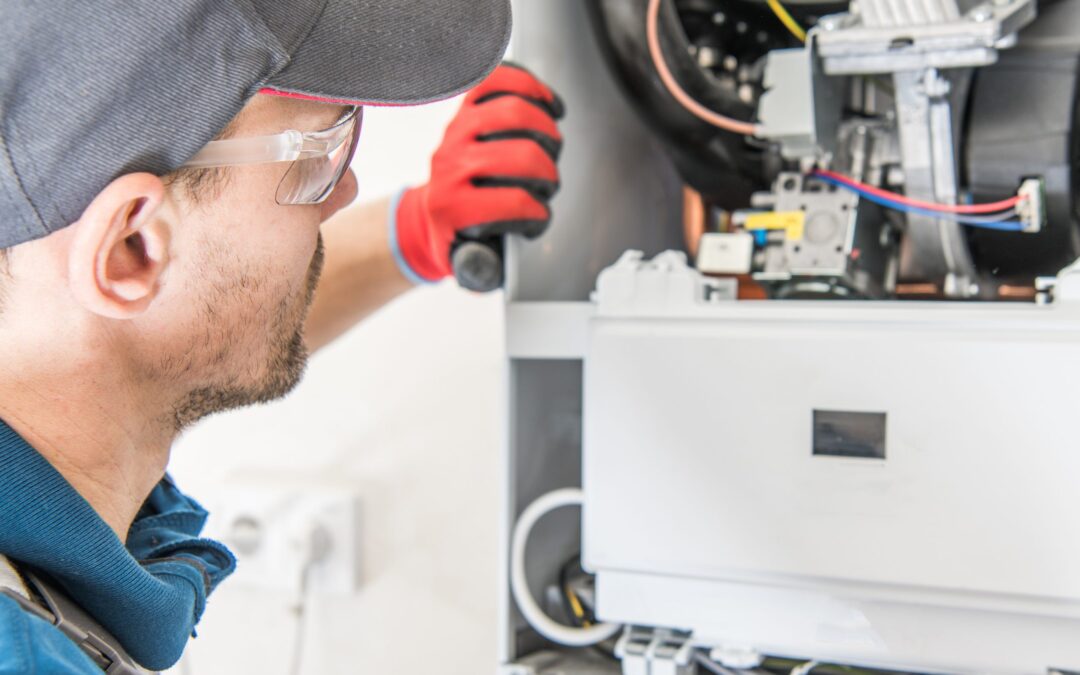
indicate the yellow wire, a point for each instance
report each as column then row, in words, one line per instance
column 575, row 606
column 789, row 21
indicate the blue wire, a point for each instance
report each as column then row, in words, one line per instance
column 971, row 221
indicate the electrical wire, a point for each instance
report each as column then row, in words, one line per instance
column 991, row 207
column 652, row 34
column 712, row 666
column 578, row 611
column 316, row 545
column 301, row 620
column 519, row 585
column 999, row 222
column 785, row 18
column 572, row 604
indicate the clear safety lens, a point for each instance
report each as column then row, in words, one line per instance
column 311, row 179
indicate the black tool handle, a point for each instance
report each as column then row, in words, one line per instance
column 478, row 264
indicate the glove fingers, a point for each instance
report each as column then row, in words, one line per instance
column 541, row 190
column 530, row 229
column 551, row 146
column 514, row 157
column 553, row 108
column 514, row 80
column 505, row 209
column 507, row 113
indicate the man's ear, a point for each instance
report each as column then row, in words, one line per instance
column 119, row 248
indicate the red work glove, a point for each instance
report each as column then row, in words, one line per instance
column 493, row 174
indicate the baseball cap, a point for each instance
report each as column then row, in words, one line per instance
column 93, row 90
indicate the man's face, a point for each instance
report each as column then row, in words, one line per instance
column 242, row 275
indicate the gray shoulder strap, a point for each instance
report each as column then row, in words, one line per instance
column 51, row 604
column 9, row 578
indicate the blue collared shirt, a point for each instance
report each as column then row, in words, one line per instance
column 149, row 593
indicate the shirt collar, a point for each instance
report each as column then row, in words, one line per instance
column 150, row 593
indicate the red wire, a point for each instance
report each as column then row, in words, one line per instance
column 991, row 207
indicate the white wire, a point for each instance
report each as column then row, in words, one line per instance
column 805, row 668
column 316, row 543
column 712, row 666
column 519, row 586
column 301, row 611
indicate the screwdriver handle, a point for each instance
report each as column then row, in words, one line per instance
column 478, row 265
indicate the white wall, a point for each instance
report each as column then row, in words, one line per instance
column 405, row 409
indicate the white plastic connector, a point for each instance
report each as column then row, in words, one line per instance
column 1032, row 208
column 739, row 657
column 725, row 253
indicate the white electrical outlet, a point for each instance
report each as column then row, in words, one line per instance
column 276, row 530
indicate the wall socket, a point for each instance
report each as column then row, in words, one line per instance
column 276, row 529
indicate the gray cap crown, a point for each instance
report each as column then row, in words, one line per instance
column 93, row 90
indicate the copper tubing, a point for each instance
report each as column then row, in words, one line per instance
column 652, row 30
column 1016, row 292
column 693, row 220
column 1004, row 292
column 917, row 289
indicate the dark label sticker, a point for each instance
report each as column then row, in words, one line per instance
column 839, row 433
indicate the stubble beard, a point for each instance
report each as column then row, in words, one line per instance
column 284, row 370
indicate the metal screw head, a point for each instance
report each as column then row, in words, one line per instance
column 981, row 14
column 935, row 86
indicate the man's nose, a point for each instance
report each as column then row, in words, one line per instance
column 344, row 193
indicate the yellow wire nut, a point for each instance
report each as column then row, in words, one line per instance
column 785, row 18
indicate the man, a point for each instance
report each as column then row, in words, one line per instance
column 169, row 175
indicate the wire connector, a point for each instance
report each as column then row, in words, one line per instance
column 1032, row 205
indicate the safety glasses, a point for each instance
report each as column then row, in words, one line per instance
column 319, row 158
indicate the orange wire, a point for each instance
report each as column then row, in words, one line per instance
column 652, row 29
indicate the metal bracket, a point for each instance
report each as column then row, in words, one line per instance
column 887, row 36
column 655, row 651
column 935, row 248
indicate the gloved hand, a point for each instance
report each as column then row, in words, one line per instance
column 493, row 174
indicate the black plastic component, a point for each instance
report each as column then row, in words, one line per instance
column 720, row 165
column 478, row 265
column 1024, row 122
column 839, row 433
column 724, row 167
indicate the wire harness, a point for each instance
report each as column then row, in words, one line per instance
column 1000, row 215
column 519, row 586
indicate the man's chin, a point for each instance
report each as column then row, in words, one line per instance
column 283, row 369
column 283, row 375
